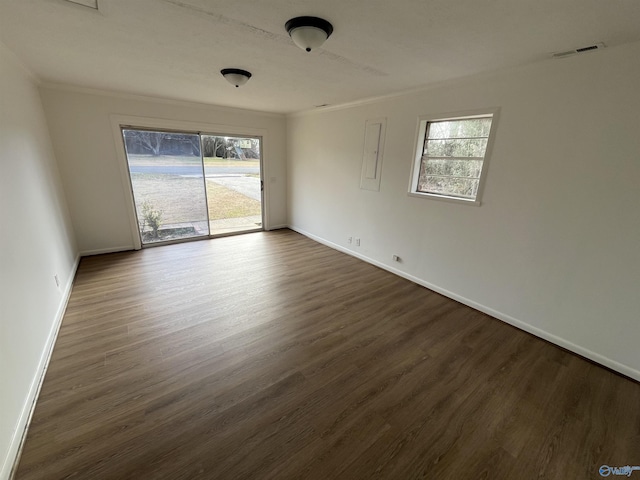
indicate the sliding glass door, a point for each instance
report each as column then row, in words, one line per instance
column 188, row 185
column 234, row 187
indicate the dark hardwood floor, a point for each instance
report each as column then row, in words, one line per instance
column 269, row 356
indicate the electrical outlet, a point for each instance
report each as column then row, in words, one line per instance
column 349, row 240
column 357, row 242
column 395, row 258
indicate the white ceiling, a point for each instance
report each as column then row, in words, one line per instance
column 176, row 48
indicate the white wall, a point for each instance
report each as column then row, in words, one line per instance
column 555, row 246
column 36, row 242
column 81, row 130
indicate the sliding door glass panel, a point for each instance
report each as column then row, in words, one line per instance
column 234, row 186
column 168, row 184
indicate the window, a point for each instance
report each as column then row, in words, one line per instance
column 452, row 156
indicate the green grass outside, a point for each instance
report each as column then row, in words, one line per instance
column 229, row 162
column 226, row 203
column 181, row 201
column 168, row 160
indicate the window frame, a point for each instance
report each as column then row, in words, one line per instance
column 423, row 122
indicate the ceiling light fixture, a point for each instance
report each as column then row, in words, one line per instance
column 236, row 76
column 308, row 32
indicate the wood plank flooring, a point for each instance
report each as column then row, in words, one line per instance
column 269, row 356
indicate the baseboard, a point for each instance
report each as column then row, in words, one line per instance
column 276, row 227
column 100, row 251
column 561, row 342
column 15, row 449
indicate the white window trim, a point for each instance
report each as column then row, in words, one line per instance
column 423, row 120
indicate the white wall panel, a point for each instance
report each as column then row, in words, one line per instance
column 555, row 245
column 36, row 243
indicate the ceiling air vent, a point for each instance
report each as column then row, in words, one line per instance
column 576, row 51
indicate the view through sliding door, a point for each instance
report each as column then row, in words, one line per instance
column 187, row 185
column 234, row 186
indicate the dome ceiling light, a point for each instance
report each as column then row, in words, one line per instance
column 236, row 76
column 308, row 32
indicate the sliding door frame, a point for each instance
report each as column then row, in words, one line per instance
column 262, row 195
column 120, row 122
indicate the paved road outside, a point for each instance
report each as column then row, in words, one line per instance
column 193, row 170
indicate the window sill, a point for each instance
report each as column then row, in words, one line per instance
column 444, row 198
